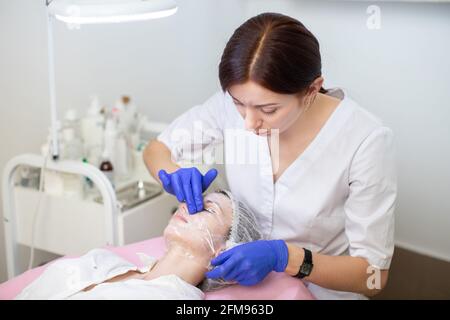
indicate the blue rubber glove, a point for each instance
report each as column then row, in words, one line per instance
column 251, row 262
column 188, row 185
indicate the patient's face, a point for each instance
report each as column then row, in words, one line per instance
column 205, row 232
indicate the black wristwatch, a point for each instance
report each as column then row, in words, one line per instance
column 307, row 265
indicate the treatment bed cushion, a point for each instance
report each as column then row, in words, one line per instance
column 277, row 286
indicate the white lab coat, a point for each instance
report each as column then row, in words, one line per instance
column 66, row 279
column 336, row 198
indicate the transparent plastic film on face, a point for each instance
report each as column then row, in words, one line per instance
column 201, row 232
column 244, row 228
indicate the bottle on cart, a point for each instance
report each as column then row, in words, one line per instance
column 122, row 159
column 72, row 121
column 110, row 140
column 107, row 167
column 116, row 135
column 128, row 115
column 92, row 127
column 71, row 146
column 71, row 149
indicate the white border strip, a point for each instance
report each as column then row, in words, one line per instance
column 422, row 250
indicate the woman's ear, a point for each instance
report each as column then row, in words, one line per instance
column 316, row 85
column 313, row 90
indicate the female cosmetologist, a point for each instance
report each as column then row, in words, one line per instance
column 327, row 205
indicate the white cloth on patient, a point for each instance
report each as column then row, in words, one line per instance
column 66, row 279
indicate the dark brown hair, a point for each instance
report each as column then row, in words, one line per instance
column 273, row 50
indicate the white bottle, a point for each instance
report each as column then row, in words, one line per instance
column 140, row 169
column 72, row 120
column 127, row 115
column 92, row 128
column 119, row 114
column 72, row 145
column 123, row 160
column 110, row 140
column 130, row 115
column 72, row 149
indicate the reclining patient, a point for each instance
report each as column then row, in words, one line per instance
column 191, row 241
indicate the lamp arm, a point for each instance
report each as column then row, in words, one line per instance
column 52, row 89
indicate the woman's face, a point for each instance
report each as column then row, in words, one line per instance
column 205, row 232
column 263, row 109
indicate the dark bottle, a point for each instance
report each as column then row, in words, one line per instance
column 107, row 168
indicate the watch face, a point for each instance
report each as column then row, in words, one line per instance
column 305, row 269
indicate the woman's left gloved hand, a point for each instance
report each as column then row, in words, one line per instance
column 250, row 263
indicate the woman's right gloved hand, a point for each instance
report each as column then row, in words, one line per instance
column 188, row 184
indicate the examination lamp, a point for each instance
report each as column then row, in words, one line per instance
column 95, row 12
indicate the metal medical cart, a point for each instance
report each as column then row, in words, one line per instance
column 73, row 226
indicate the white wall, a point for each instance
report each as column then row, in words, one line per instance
column 398, row 72
column 167, row 65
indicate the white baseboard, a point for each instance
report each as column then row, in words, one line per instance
column 421, row 250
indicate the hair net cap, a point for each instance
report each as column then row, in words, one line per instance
column 244, row 228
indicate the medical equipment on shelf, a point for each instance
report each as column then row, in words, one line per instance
column 75, row 13
column 68, row 225
column 118, row 136
column 92, row 126
column 77, row 202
